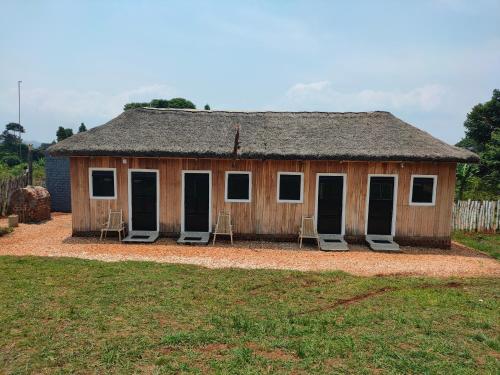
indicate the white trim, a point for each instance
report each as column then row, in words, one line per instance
column 209, row 197
column 249, row 187
column 130, row 196
column 91, row 187
column 394, row 203
column 301, row 200
column 434, row 189
column 344, row 195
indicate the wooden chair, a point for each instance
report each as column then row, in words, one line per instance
column 224, row 226
column 115, row 223
column 308, row 230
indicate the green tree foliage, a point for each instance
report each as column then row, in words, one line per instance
column 207, row 107
column 14, row 153
column 180, row 103
column 159, row 103
column 482, row 135
column 162, row 103
column 134, row 105
column 82, row 128
column 11, row 160
column 63, row 133
column 8, row 138
column 14, row 127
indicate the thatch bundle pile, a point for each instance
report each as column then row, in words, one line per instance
column 31, row 204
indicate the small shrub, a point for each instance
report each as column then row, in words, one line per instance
column 11, row 160
column 5, row 230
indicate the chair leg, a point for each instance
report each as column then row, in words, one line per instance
column 317, row 240
column 232, row 240
column 120, row 235
column 102, row 232
column 215, row 235
column 300, row 242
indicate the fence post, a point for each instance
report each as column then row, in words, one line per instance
column 476, row 216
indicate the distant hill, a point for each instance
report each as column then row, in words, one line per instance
column 35, row 144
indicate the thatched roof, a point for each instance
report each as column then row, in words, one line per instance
column 262, row 135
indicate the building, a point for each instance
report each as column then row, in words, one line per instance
column 357, row 173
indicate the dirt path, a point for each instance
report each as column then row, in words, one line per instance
column 53, row 238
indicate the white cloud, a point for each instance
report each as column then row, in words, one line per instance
column 44, row 109
column 69, row 104
column 322, row 95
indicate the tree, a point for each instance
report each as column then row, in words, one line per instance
column 63, row 133
column 134, row 105
column 490, row 163
column 45, row 146
column 162, row 103
column 159, row 103
column 482, row 121
column 15, row 127
column 82, row 128
column 482, row 135
column 11, row 160
column 8, row 139
column 207, row 107
column 180, row 103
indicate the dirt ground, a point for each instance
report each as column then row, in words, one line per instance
column 53, row 238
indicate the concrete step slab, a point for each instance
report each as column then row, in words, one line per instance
column 382, row 243
column 332, row 242
column 194, row 238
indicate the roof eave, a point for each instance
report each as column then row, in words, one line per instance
column 260, row 156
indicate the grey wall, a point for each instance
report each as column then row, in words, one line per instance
column 57, row 179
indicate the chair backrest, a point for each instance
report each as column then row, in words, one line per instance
column 308, row 227
column 224, row 222
column 115, row 219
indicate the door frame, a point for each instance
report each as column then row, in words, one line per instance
column 344, row 195
column 157, row 171
column 209, row 197
column 394, row 201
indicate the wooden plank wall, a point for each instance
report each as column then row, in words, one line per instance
column 264, row 215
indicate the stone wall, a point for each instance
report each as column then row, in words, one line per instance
column 58, row 182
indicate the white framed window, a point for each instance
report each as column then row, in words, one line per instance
column 238, row 186
column 290, row 187
column 102, row 183
column 423, row 190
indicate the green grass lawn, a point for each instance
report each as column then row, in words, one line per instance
column 67, row 315
column 489, row 243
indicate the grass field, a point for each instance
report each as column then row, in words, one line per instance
column 488, row 243
column 66, row 315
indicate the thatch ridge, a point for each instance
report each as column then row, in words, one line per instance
column 368, row 136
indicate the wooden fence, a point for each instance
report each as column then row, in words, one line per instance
column 7, row 186
column 476, row 216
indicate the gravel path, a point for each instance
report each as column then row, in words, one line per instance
column 53, row 238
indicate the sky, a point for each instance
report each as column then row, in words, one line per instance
column 428, row 62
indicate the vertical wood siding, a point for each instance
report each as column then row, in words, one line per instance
column 264, row 215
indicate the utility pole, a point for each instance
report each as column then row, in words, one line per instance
column 19, row 113
column 30, row 165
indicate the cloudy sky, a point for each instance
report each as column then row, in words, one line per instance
column 426, row 61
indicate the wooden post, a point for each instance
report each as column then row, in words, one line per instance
column 30, row 165
column 13, row 221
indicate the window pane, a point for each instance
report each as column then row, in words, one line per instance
column 422, row 190
column 290, row 187
column 238, row 186
column 103, row 184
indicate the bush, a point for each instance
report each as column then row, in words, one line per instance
column 11, row 160
column 5, row 230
